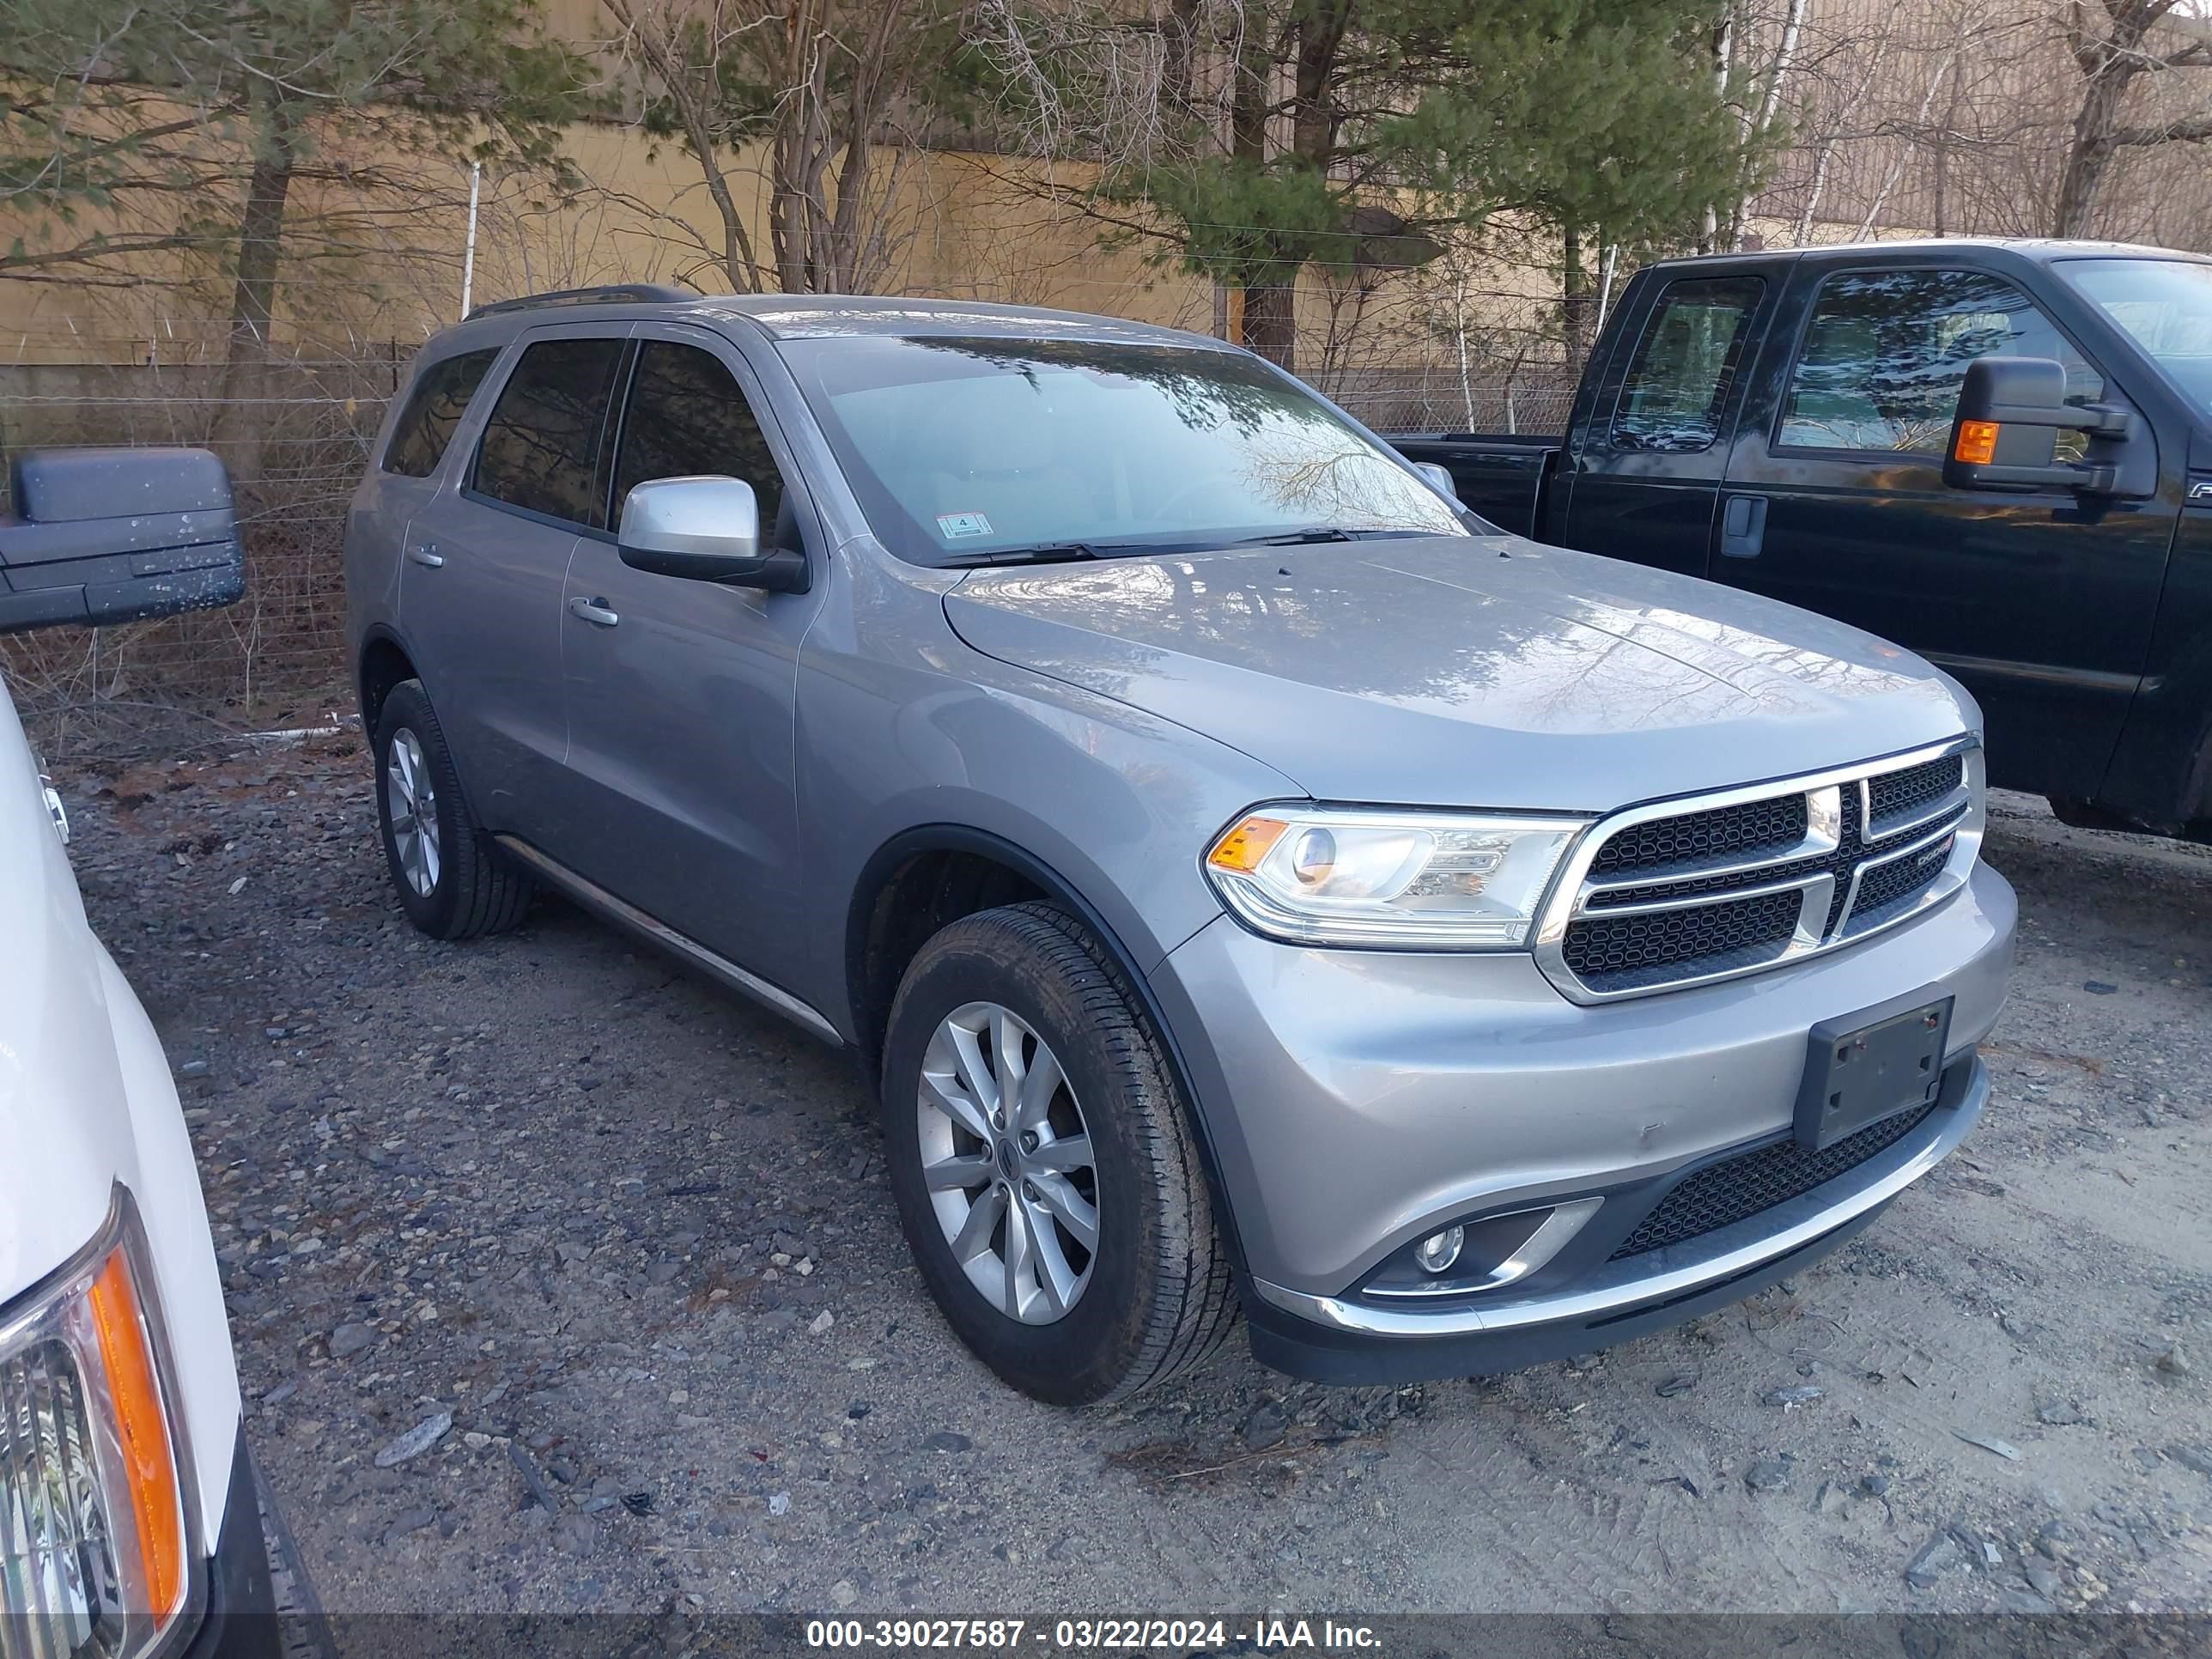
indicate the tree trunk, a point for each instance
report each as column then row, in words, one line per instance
column 1267, row 318
column 1574, row 295
column 1721, row 46
column 2090, row 153
column 2109, row 64
column 241, row 423
column 1271, row 319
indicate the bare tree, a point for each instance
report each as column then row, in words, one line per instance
column 2115, row 45
column 788, row 107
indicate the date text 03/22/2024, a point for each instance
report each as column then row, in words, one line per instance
column 1088, row 1635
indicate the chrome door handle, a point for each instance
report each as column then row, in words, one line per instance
column 593, row 611
column 427, row 554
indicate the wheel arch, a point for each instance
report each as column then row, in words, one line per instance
column 383, row 662
column 871, row 961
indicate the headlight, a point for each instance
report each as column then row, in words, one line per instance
column 1434, row 881
column 98, row 1559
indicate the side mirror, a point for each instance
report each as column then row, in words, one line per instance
column 2010, row 411
column 705, row 530
column 1440, row 475
column 102, row 535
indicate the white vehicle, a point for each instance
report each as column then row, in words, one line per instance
column 129, row 1522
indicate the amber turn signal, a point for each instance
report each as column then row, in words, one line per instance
column 149, row 1465
column 1243, row 847
column 1977, row 444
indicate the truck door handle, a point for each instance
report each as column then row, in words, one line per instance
column 593, row 611
column 427, row 554
column 1743, row 525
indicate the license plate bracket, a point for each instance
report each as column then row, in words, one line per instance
column 1861, row 1068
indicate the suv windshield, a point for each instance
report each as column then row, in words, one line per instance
column 2165, row 303
column 958, row 448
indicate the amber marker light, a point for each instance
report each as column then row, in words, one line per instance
column 149, row 1466
column 1977, row 443
column 1243, row 847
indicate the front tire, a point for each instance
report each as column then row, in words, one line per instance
column 451, row 880
column 1046, row 1178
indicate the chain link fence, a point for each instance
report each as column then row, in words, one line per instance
column 296, row 447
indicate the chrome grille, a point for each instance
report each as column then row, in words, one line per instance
column 1681, row 892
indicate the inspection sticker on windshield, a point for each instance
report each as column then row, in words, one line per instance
column 953, row 526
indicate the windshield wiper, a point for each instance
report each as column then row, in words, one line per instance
column 1319, row 532
column 1039, row 553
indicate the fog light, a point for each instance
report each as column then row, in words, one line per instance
column 1438, row 1251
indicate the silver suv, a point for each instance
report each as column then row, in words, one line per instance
column 1246, row 878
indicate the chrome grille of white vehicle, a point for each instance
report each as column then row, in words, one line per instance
column 1682, row 892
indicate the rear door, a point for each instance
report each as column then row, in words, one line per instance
column 480, row 603
column 679, row 788
column 410, row 470
column 1642, row 482
column 2041, row 603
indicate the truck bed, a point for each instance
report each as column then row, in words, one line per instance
column 1500, row 474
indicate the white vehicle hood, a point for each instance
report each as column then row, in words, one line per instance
column 63, row 1119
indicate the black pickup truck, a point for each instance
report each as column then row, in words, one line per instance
column 1998, row 453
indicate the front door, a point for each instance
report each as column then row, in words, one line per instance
column 680, row 776
column 2040, row 602
column 484, row 559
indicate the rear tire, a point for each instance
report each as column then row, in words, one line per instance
column 1104, row 1152
column 452, row 879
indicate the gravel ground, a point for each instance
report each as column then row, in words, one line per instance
column 561, row 1280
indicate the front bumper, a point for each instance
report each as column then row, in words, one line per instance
column 1356, row 1101
column 241, row 1620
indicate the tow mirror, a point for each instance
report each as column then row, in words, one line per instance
column 103, row 536
column 2010, row 412
column 705, row 529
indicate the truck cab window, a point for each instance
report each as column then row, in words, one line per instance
column 1678, row 385
column 1885, row 353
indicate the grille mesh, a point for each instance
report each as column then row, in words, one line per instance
column 1721, row 1194
column 1603, row 949
column 1896, row 796
column 1725, row 832
column 1899, row 880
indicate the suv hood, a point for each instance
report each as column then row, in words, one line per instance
column 1448, row 671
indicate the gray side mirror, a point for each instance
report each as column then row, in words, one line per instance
column 2009, row 410
column 102, row 535
column 705, row 529
column 1440, row 475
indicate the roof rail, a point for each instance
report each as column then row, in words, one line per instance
column 654, row 293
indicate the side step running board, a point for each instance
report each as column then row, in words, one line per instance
column 596, row 898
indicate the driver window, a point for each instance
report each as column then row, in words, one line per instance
column 689, row 416
column 1885, row 353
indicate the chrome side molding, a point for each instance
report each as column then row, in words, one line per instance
column 626, row 915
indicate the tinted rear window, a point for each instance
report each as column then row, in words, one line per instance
column 434, row 410
column 540, row 446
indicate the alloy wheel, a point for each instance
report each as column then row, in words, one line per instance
column 411, row 800
column 1007, row 1160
